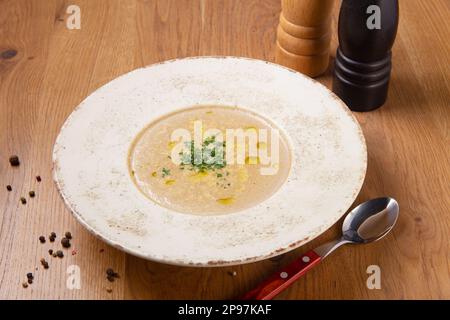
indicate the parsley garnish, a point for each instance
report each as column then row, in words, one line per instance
column 209, row 157
column 165, row 172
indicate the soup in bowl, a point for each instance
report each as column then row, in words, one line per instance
column 210, row 160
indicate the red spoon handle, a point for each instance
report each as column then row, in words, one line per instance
column 284, row 278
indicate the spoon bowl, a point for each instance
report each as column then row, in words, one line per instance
column 371, row 220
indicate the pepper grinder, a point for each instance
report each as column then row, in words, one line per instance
column 304, row 34
column 367, row 30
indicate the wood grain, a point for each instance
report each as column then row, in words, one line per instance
column 55, row 68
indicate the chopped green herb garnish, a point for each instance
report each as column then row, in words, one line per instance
column 209, row 157
column 165, row 172
column 209, row 140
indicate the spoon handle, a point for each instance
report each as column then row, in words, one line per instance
column 283, row 278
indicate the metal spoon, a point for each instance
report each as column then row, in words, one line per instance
column 368, row 222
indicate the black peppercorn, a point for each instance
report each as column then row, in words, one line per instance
column 38, row 178
column 23, row 200
column 68, row 235
column 9, row 188
column 14, row 161
column 59, row 254
column 44, row 263
column 111, row 274
column 52, row 237
column 65, row 242
column 42, row 239
column 32, row 194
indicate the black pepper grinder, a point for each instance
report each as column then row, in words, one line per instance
column 367, row 30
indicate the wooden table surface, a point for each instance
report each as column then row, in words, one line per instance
column 55, row 68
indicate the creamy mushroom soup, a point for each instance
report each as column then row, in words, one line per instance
column 209, row 160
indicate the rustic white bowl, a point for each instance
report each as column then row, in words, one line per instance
column 328, row 167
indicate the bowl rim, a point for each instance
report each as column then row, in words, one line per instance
column 220, row 263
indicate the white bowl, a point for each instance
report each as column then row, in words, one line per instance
column 328, row 165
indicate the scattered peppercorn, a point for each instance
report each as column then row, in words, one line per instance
column 38, row 178
column 50, row 251
column 30, row 275
column 68, row 235
column 9, row 188
column 42, row 239
column 52, row 237
column 14, row 161
column 111, row 275
column 65, row 242
column 30, row 281
column 23, row 200
column 25, row 285
column 54, row 255
column 59, row 254
column 44, row 263
column 32, row 194
column 101, row 250
column 109, row 290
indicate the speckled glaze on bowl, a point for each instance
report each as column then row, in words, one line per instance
column 328, row 165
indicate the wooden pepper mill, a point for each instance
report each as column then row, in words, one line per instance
column 304, row 34
column 367, row 30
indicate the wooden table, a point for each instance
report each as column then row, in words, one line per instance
column 55, row 68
